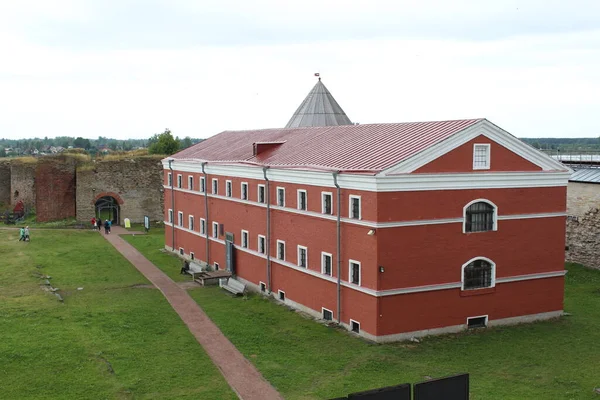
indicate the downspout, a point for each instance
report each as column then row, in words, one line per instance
column 268, row 240
column 206, row 213
column 339, row 245
column 172, row 206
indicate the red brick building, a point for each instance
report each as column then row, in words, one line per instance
column 393, row 230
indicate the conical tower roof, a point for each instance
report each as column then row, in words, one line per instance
column 319, row 108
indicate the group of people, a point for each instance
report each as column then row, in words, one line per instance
column 97, row 224
column 24, row 234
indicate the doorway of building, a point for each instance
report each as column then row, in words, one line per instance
column 107, row 207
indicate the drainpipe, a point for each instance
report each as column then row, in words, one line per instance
column 339, row 245
column 268, row 239
column 206, row 212
column 172, row 206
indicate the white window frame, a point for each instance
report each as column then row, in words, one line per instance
column 323, row 255
column 279, row 188
column 192, row 255
column 488, row 148
column 190, row 182
column 179, row 218
column 298, row 202
column 279, row 292
column 469, row 204
column 323, row 314
column 264, row 247
column 181, row 251
column 284, row 250
column 245, row 239
column 170, row 179
column 242, row 185
column 350, row 325
column 202, row 187
column 350, row 262
column 305, row 258
column 170, row 216
column 264, row 190
column 354, row 197
column 215, row 229
column 462, row 274
column 191, row 222
column 215, row 186
column 261, row 284
column 323, row 194
column 179, row 181
column 216, row 265
column 202, row 226
column 228, row 188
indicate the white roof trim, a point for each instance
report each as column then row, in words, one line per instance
column 487, row 129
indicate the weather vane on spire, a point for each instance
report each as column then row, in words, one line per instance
column 318, row 75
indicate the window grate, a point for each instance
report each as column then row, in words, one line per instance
column 478, row 274
column 479, row 217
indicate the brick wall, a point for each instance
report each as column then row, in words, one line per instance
column 137, row 182
column 4, row 183
column 55, row 189
column 22, row 182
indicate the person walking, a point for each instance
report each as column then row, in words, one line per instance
column 94, row 223
column 106, row 227
column 22, row 234
column 26, row 233
column 99, row 224
column 109, row 225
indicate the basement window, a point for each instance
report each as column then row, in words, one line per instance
column 192, row 256
column 281, row 294
column 354, row 326
column 477, row 322
column 216, row 266
column 181, row 251
column 327, row 314
column 263, row 287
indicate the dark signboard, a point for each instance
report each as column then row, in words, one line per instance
column 450, row 388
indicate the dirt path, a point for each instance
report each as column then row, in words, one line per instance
column 241, row 375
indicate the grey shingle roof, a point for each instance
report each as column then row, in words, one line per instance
column 319, row 108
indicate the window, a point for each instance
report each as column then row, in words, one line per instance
column 180, row 218
column 202, row 226
column 244, row 191
column 192, row 256
column 181, row 252
column 170, row 216
column 216, row 266
column 190, row 182
column 354, row 273
column 263, row 287
column 281, row 249
column 354, row 211
column 281, row 294
column 179, row 180
column 326, row 263
column 327, row 314
column 245, row 239
column 302, row 256
column 215, row 186
column 261, row 193
column 354, row 326
column 202, row 185
column 326, row 207
column 228, row 188
column 191, row 222
column 480, row 216
column 215, row 232
column 281, row 197
column 477, row 322
column 301, row 199
column 261, row 244
column 481, row 156
column 170, row 179
column 477, row 274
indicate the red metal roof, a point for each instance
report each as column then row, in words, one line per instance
column 352, row 148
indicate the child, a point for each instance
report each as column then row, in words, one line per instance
column 26, row 234
column 22, row 234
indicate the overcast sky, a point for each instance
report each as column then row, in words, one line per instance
column 128, row 69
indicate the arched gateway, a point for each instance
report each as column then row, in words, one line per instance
column 107, row 205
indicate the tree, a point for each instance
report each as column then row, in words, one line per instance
column 164, row 143
column 82, row 143
column 2, row 152
column 185, row 143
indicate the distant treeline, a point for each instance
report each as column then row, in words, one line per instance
column 565, row 144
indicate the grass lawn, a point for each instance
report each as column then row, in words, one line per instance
column 303, row 359
column 110, row 340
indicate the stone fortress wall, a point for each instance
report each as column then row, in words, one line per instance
column 583, row 224
column 4, row 183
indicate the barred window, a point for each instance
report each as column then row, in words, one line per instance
column 479, row 217
column 477, row 274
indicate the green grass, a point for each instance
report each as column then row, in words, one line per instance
column 110, row 340
column 303, row 359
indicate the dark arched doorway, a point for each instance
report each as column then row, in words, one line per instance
column 107, row 207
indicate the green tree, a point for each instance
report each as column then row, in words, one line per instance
column 164, row 143
column 2, row 152
column 186, row 142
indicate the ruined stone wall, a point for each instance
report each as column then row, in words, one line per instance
column 55, row 188
column 137, row 182
column 4, row 183
column 583, row 239
column 582, row 197
column 22, row 182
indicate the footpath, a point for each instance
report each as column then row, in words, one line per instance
column 242, row 376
